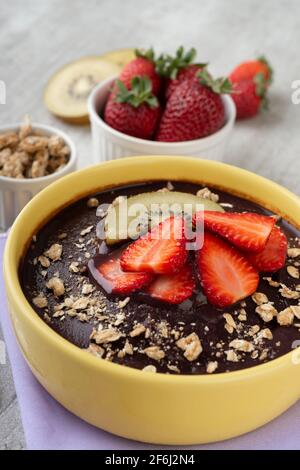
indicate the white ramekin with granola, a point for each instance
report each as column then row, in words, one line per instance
column 31, row 157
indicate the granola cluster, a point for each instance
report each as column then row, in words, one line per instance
column 31, row 154
column 129, row 332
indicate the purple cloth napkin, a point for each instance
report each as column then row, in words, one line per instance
column 48, row 425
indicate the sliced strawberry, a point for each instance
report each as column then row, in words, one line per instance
column 173, row 288
column 273, row 256
column 107, row 271
column 160, row 251
column 226, row 275
column 248, row 231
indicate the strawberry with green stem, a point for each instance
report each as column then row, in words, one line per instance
column 250, row 69
column 178, row 68
column 133, row 111
column 143, row 65
column 251, row 81
column 195, row 109
column 250, row 97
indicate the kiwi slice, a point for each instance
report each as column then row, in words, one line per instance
column 67, row 91
column 127, row 217
column 119, row 57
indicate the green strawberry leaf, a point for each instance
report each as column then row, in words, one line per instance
column 265, row 61
column 168, row 66
column 146, row 54
column 261, row 84
column 220, row 85
column 140, row 93
column 264, row 104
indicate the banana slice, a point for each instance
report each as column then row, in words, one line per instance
column 67, row 91
column 126, row 216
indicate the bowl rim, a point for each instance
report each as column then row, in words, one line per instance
column 53, row 131
column 230, row 111
column 13, row 285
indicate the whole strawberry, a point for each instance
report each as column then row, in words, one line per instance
column 253, row 68
column 177, row 69
column 187, row 73
column 143, row 66
column 134, row 112
column 195, row 109
column 249, row 97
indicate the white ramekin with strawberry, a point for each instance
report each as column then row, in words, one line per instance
column 169, row 105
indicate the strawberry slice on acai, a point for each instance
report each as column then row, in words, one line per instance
column 247, row 231
column 161, row 250
column 109, row 275
column 173, row 288
column 225, row 274
column 273, row 256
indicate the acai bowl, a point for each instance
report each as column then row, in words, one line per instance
column 194, row 400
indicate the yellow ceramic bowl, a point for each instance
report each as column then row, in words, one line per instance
column 156, row 408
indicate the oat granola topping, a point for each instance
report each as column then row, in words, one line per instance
column 127, row 349
column 206, row 193
column 105, row 336
column 254, row 329
column 285, row 317
column 288, row 293
column 44, row 261
column 260, row 298
column 229, row 320
column 87, row 289
column 296, row 310
column 28, row 155
column 138, row 330
column 271, row 282
column 40, row 301
column 191, row 345
column 54, row 252
column 154, row 352
column 123, row 303
column 149, row 368
column 93, row 202
column 293, row 252
column 96, row 350
column 266, row 333
column 293, row 271
column 231, row 356
column 266, row 311
column 73, row 268
column 86, row 230
column 242, row 345
column 173, row 368
column 81, row 303
column 56, row 285
column 212, row 367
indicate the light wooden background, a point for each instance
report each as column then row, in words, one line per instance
column 38, row 36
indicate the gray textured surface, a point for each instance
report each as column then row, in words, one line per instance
column 37, row 37
column 11, row 433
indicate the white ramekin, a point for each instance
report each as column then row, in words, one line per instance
column 109, row 144
column 15, row 193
